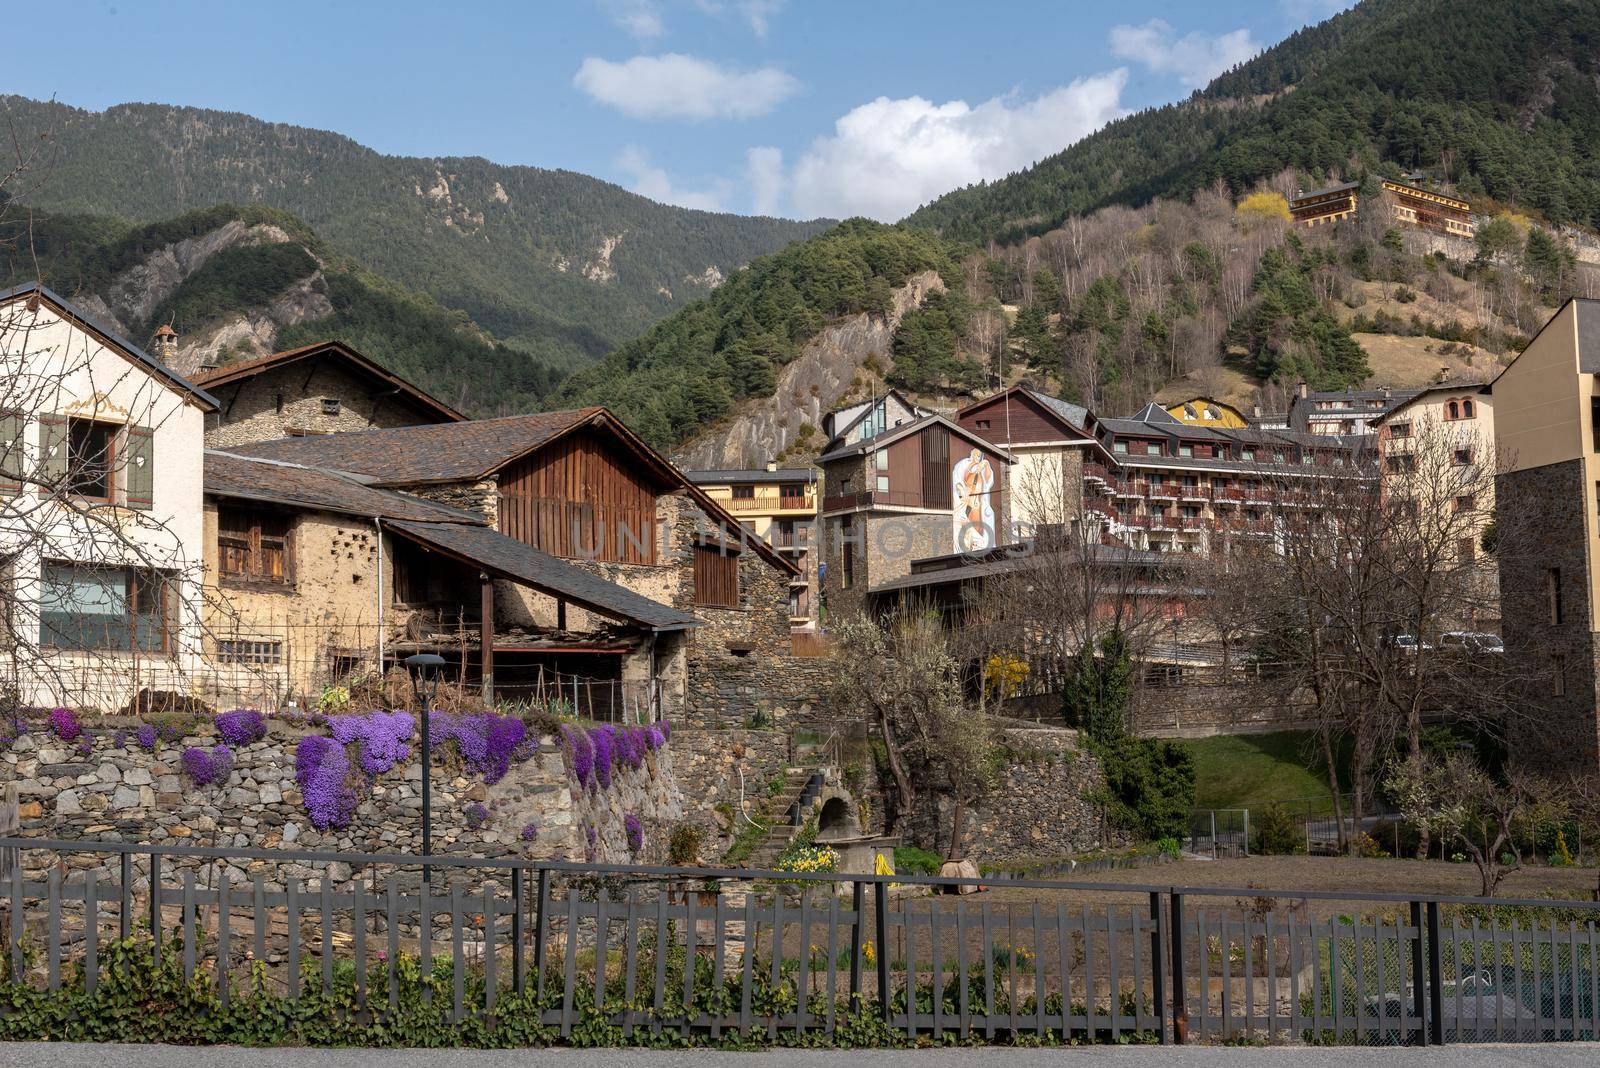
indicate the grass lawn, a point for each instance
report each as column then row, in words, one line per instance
column 1250, row 770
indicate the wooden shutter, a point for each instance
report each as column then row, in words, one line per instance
column 936, row 467
column 11, row 452
column 716, row 575
column 53, row 449
column 140, row 468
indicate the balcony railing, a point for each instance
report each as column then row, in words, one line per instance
column 874, row 498
column 769, row 502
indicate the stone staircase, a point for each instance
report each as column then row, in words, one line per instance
column 786, row 812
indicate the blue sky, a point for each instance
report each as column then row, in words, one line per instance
column 788, row 107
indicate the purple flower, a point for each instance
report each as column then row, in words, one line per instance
column 64, row 724
column 476, row 815
column 322, row 771
column 631, row 747
column 208, row 768
column 655, row 737
column 241, row 726
column 85, row 744
column 590, row 838
column 383, row 738
column 530, row 832
column 635, row 831
column 119, row 739
column 487, row 742
column 581, row 753
column 147, row 737
column 601, row 738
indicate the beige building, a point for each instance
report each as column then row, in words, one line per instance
column 1547, row 498
column 1435, row 445
column 779, row 506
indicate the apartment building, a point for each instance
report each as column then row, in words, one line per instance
column 1547, row 496
column 1343, row 413
column 1407, row 202
column 779, row 506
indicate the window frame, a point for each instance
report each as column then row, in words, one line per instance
column 713, row 590
column 112, row 453
column 138, row 582
column 256, row 543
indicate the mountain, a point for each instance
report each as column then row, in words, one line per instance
column 1502, row 100
column 558, row 264
column 248, row 280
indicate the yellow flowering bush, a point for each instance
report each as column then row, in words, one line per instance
column 1004, row 674
column 810, row 859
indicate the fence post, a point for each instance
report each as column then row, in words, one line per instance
column 1180, row 1005
column 1419, row 1003
column 858, row 904
column 1435, row 977
column 1247, row 832
column 1158, row 988
column 880, row 896
column 518, row 975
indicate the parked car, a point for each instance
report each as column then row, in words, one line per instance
column 1471, row 641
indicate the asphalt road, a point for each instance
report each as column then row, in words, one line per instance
column 47, row 1055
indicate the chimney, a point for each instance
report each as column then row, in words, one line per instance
column 166, row 344
column 772, row 465
column 1302, row 389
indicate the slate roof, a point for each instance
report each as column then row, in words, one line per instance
column 1013, row 563
column 894, row 434
column 277, row 482
column 1076, row 414
column 433, row 452
column 1339, row 188
column 1154, row 413
column 782, row 474
column 511, row 559
column 110, row 338
column 242, row 369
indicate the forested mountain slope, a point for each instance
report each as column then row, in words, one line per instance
column 560, row 264
column 1501, row 99
column 245, row 281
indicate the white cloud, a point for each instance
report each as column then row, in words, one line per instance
column 676, row 86
column 763, row 169
column 886, row 157
column 1304, row 11
column 651, row 181
column 640, row 18
column 1195, row 58
column 757, row 14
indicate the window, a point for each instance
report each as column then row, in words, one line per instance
column 1399, row 430
column 330, row 405
column 1247, row 454
column 792, row 494
column 1308, row 457
column 1466, row 549
column 1558, row 676
column 1119, row 446
column 936, row 489
column 1466, row 502
column 847, row 552
column 1185, row 450
column 254, row 653
column 983, row 424
column 1454, row 410
column 91, row 454
column 744, row 493
column 1463, row 456
column 716, row 574
column 1467, row 411
column 1552, row 594
column 252, row 545
column 103, row 608
column 1594, row 421
column 1401, row 463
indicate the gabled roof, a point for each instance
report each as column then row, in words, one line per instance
column 431, row 452
column 278, row 482
column 1073, row 417
column 1337, row 188
column 473, row 450
column 1154, row 413
column 893, row 435
column 867, row 407
column 110, row 339
column 240, row 370
column 1442, row 387
column 507, row 558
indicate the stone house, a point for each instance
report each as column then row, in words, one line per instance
column 779, row 506
column 579, row 488
column 324, row 388
column 100, row 506
column 1547, row 509
column 925, row 488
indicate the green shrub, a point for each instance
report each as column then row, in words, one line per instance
column 909, row 860
column 1274, row 832
column 683, row 848
column 1149, row 789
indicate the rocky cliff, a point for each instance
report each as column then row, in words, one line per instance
column 811, row 384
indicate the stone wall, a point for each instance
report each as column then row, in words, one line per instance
column 1036, row 809
column 127, row 794
column 1542, row 527
column 279, row 403
column 726, row 769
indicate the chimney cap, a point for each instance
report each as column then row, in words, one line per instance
column 165, row 330
column 772, row 465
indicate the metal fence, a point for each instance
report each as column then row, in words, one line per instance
column 716, row 951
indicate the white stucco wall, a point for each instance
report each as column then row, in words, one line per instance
column 48, row 366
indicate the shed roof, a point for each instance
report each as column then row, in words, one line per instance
column 250, row 478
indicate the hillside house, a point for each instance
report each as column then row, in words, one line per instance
column 779, row 506
column 101, row 537
column 324, row 388
column 1408, row 203
column 580, row 488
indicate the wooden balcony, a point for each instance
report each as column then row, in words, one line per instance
column 769, row 502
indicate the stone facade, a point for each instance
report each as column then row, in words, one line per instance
column 322, row 398
column 128, row 794
column 1542, row 536
column 726, row 769
column 1038, row 807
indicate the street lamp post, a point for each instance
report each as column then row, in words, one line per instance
column 425, row 669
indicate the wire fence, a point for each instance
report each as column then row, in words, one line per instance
column 710, row 952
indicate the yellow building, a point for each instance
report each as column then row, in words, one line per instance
column 779, row 506
column 1412, row 205
column 1203, row 411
